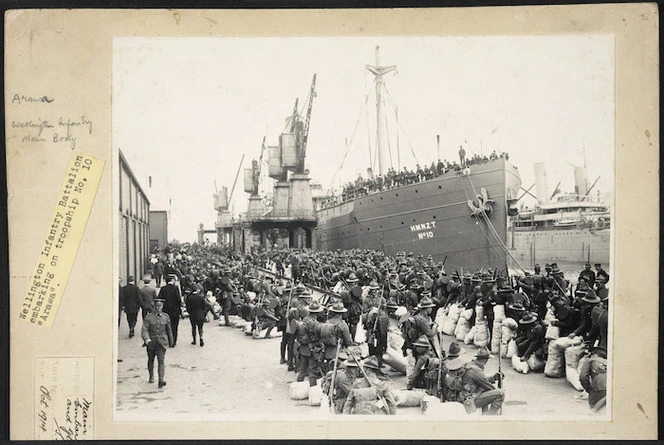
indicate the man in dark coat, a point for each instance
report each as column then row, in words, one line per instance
column 172, row 304
column 131, row 298
column 196, row 304
column 119, row 302
column 588, row 274
column 601, row 272
column 588, row 303
column 157, row 336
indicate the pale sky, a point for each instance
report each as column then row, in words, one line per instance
column 186, row 109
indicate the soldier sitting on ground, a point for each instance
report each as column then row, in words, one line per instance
column 478, row 390
column 371, row 393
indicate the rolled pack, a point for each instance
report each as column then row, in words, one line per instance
column 535, row 363
column 315, row 395
column 463, row 326
column 518, row 365
column 452, row 319
column 298, row 390
column 470, row 337
column 499, row 313
column 555, row 362
column 481, row 334
column 395, row 359
column 496, row 335
column 409, row 398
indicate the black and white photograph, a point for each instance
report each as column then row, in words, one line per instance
column 399, row 227
column 347, row 223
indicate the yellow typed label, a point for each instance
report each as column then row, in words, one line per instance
column 56, row 259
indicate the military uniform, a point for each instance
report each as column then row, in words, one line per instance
column 592, row 375
column 310, row 350
column 376, row 324
column 421, row 378
column 479, row 388
column 371, row 394
column 531, row 338
column 157, row 335
column 227, row 289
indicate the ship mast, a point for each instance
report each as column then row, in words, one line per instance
column 381, row 147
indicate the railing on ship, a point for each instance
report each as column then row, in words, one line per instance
column 331, row 202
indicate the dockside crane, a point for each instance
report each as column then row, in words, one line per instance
column 302, row 145
column 293, row 143
column 252, row 176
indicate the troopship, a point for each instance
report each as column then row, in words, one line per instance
column 573, row 228
column 458, row 217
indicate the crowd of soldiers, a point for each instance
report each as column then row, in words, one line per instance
column 373, row 290
column 394, row 179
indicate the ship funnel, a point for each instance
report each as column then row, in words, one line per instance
column 540, row 183
column 580, row 181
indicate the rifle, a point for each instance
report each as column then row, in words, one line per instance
column 330, row 392
column 500, row 371
column 288, row 305
column 373, row 331
column 256, row 332
column 359, row 365
column 440, row 368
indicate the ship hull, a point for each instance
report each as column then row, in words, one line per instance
column 570, row 245
column 428, row 218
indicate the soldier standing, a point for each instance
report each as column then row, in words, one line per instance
column 310, row 348
column 227, row 290
column 462, row 156
column 376, row 324
column 157, row 336
column 172, row 304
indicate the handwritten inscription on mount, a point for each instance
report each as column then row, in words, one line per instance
column 43, row 129
column 63, row 404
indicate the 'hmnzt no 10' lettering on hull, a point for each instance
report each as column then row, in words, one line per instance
column 424, row 229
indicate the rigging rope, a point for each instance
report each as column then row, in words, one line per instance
column 357, row 122
column 495, row 233
column 479, row 222
column 410, row 145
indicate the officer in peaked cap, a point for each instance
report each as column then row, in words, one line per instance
column 157, row 336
